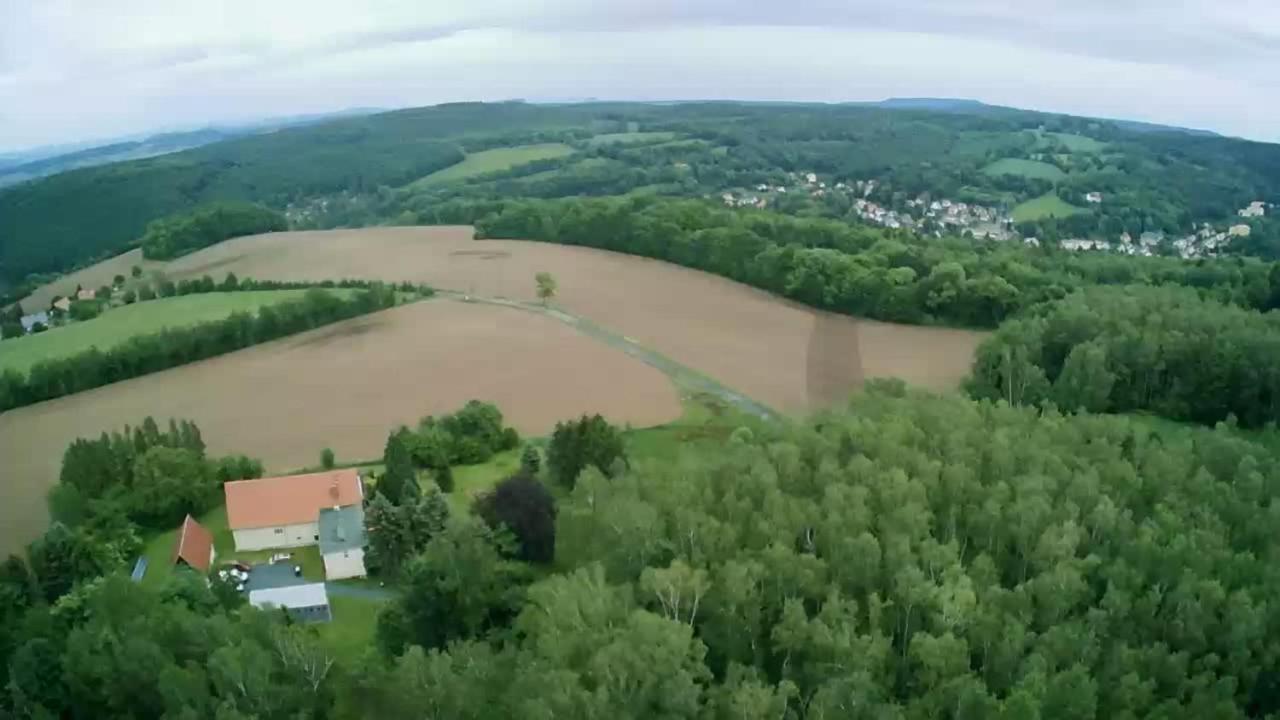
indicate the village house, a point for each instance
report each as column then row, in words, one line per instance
column 86, row 294
column 1257, row 208
column 194, row 546
column 1093, row 197
column 1241, row 230
column 323, row 509
column 62, row 304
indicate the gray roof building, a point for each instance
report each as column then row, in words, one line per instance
column 30, row 321
column 303, row 602
column 341, row 529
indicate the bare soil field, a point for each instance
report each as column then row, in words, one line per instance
column 790, row 357
column 344, row 386
column 94, row 276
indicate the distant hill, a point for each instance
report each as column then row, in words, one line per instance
column 50, row 160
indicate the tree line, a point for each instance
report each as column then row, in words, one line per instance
column 170, row 347
column 176, row 235
column 1125, row 349
column 857, row 270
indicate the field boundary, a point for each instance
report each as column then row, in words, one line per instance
column 684, row 377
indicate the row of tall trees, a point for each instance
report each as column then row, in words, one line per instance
column 176, row 235
column 861, row 271
column 1162, row 350
column 143, row 354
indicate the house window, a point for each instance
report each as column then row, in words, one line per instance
column 279, row 531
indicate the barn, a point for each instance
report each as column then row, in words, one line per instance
column 284, row 512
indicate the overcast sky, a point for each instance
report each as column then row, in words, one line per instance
column 79, row 69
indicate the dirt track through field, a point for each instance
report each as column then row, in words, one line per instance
column 344, row 386
column 790, row 357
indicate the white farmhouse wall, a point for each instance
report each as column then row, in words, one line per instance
column 344, row 564
column 281, row 536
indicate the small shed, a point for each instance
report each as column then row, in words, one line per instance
column 194, row 546
column 304, row 603
column 342, row 542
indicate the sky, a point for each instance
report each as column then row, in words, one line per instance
column 73, row 70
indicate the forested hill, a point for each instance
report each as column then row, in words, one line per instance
column 1036, row 166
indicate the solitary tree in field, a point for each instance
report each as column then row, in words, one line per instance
column 136, row 271
column 546, row 286
column 326, row 458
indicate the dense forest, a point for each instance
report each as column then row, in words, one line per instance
column 177, row 235
column 1130, row 348
column 1157, row 181
column 856, row 270
column 907, row 557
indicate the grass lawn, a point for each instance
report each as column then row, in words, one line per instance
column 351, row 633
column 472, row 480
column 1047, row 205
column 487, row 161
column 631, row 138
column 1025, row 168
column 116, row 325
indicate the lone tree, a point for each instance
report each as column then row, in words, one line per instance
column 326, row 458
column 582, row 442
column 546, row 286
column 526, row 508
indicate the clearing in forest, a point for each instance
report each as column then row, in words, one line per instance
column 1047, row 205
column 116, row 325
column 1033, row 169
column 487, row 161
column 344, row 386
column 631, row 138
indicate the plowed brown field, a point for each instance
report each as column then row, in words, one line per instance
column 344, row 386
column 788, row 356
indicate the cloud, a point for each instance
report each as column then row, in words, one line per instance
column 71, row 69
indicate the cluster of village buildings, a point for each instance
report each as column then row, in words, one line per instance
column 936, row 217
column 921, row 214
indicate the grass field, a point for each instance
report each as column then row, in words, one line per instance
column 351, row 633
column 472, row 480
column 631, row 138
column 117, row 325
column 487, row 161
column 1025, row 168
column 1047, row 205
column 345, row 386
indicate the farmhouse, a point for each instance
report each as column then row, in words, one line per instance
column 342, row 542
column 63, row 304
column 86, row 294
column 305, row 603
column 194, row 546
column 284, row 512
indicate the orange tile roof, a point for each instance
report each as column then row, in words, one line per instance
column 194, row 544
column 289, row 500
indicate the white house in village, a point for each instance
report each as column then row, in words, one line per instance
column 324, row 509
